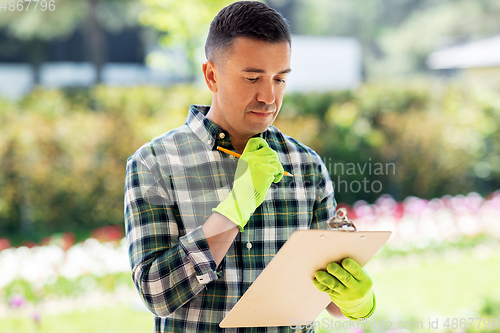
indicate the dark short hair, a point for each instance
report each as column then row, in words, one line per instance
column 251, row 19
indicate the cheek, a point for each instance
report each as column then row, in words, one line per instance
column 279, row 98
column 232, row 91
column 240, row 95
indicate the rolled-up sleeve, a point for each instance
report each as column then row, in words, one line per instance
column 168, row 269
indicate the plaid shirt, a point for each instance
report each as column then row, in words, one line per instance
column 172, row 184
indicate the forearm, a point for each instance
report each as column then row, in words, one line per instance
column 166, row 277
column 335, row 311
column 220, row 233
column 167, row 282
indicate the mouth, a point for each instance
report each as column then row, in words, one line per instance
column 261, row 114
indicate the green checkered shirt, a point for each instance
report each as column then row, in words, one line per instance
column 172, row 184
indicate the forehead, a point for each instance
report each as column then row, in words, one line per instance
column 257, row 54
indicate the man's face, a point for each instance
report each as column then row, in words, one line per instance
column 250, row 82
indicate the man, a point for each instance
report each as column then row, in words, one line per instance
column 201, row 224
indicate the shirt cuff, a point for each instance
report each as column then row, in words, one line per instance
column 198, row 253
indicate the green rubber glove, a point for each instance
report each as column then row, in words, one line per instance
column 257, row 168
column 349, row 286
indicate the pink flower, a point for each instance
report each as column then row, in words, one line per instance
column 415, row 206
column 362, row 209
column 385, row 205
column 36, row 317
column 4, row 244
column 17, row 301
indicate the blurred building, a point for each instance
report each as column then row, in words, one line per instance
column 65, row 63
column 318, row 63
column 476, row 62
column 325, row 63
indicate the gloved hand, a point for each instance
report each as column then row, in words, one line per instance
column 257, row 167
column 349, row 286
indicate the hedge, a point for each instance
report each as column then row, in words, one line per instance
column 63, row 153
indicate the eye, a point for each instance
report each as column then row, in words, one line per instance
column 252, row 79
column 281, row 81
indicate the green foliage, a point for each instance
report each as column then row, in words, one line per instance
column 67, row 16
column 31, row 23
column 63, row 163
column 420, row 139
column 63, row 153
column 183, row 24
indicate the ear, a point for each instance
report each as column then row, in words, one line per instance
column 209, row 71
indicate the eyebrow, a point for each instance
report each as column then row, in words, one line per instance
column 261, row 71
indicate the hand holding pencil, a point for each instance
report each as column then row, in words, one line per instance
column 286, row 173
column 258, row 167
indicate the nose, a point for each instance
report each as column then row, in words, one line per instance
column 266, row 94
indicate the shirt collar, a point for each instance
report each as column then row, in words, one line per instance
column 207, row 131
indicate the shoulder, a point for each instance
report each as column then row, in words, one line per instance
column 163, row 148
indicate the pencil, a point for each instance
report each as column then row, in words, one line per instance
column 286, row 173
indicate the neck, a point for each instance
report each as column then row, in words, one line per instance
column 239, row 145
column 238, row 141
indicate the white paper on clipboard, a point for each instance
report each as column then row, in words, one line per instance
column 283, row 294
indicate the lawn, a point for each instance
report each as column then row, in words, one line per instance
column 118, row 319
column 450, row 284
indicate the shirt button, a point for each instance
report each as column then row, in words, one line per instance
column 232, row 157
column 209, row 142
column 249, row 245
column 222, row 135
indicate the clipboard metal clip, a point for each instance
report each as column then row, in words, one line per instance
column 341, row 221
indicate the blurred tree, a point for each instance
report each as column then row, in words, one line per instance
column 443, row 24
column 365, row 20
column 397, row 35
column 183, row 24
column 93, row 16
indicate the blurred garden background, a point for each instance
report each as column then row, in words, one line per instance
column 84, row 86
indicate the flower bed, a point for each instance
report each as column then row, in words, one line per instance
column 418, row 224
column 59, row 276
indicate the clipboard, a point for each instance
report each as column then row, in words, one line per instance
column 283, row 294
